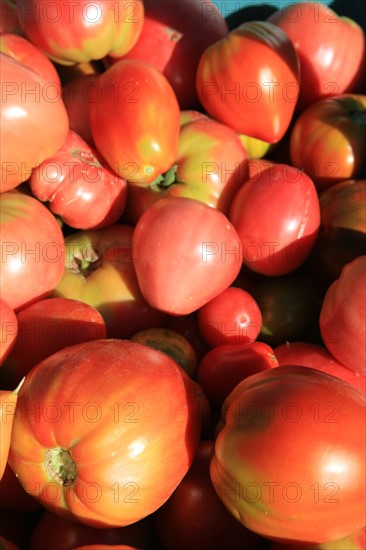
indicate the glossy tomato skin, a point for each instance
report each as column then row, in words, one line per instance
column 250, row 80
column 135, row 136
column 27, row 136
column 342, row 317
column 317, row 356
column 194, row 518
column 328, row 140
column 98, row 29
column 72, row 182
column 133, row 429
column 173, row 37
column 342, row 236
column 32, row 249
column 52, row 531
column 311, row 423
column 232, row 317
column 331, row 50
column 224, row 366
column 287, row 200
column 188, row 253
column 210, row 166
column 99, row 270
column 45, row 327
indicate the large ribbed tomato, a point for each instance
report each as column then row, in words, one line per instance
column 91, row 440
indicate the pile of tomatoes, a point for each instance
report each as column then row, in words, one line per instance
column 183, row 276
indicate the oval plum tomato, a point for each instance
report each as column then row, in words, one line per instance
column 32, row 249
column 342, row 236
column 103, row 438
column 331, row 50
column 52, row 531
column 98, row 28
column 8, row 329
column 328, row 140
column 211, row 165
column 224, row 366
column 73, row 180
column 99, row 270
column 45, row 327
column 137, row 138
column 291, row 450
column 317, row 357
column 232, row 317
column 249, row 80
column 29, row 101
column 277, row 217
column 194, row 518
column 342, row 317
column 173, row 37
column 188, row 253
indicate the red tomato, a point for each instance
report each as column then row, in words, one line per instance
column 328, row 140
column 317, row 357
column 277, row 217
column 331, row 50
column 29, row 101
column 342, row 318
column 210, row 166
column 47, row 326
column 102, row 438
column 232, row 317
column 99, row 270
column 137, row 138
column 52, row 531
column 98, row 28
column 250, row 80
column 194, row 518
column 291, row 451
column 173, row 37
column 188, row 253
column 8, row 329
column 223, row 367
column 32, row 249
column 73, row 180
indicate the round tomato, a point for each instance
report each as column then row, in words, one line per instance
column 188, row 252
column 90, row 439
column 249, row 80
column 291, row 450
column 137, row 138
column 277, row 216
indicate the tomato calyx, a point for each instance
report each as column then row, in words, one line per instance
column 85, row 263
column 61, row 466
column 163, row 181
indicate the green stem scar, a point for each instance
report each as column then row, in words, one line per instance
column 61, row 466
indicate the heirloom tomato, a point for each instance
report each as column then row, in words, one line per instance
column 342, row 318
column 104, row 449
column 211, row 165
column 76, row 32
column 99, row 270
column 249, row 80
column 331, row 50
column 32, row 249
column 29, row 102
column 188, row 252
column 73, row 180
column 173, row 37
column 277, row 217
column 328, row 140
column 136, row 136
column 289, row 459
